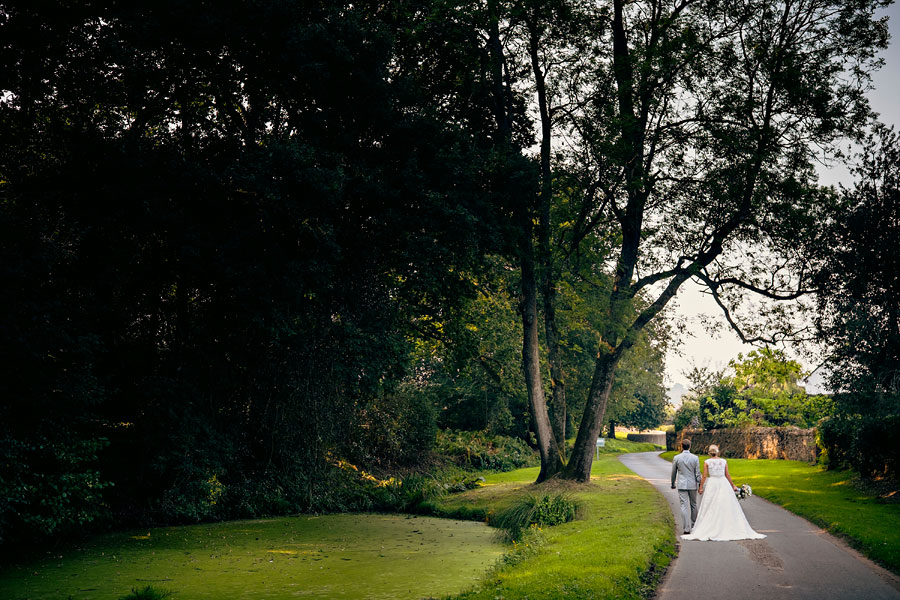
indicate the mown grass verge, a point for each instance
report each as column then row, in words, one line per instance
column 618, row 547
column 834, row 500
column 620, row 445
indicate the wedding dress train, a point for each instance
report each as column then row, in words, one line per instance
column 720, row 517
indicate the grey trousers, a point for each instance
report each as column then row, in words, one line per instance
column 688, row 500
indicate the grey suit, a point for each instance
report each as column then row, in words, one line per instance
column 686, row 477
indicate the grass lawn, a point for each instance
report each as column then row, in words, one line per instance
column 334, row 556
column 830, row 499
column 618, row 547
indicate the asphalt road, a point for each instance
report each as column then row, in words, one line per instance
column 796, row 560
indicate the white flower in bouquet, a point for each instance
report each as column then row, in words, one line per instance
column 745, row 491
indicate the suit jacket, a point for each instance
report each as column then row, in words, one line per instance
column 686, row 471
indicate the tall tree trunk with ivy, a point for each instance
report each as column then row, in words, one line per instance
column 551, row 457
column 557, row 404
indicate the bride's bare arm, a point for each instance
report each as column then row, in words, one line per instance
column 728, row 476
column 703, row 477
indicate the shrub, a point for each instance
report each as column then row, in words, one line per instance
column 193, row 501
column 540, row 511
column 478, row 450
column 861, row 435
column 865, row 443
column 49, row 485
column 396, row 429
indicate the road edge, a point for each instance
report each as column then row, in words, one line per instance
column 889, row 577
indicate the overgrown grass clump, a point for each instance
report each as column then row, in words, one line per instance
column 837, row 501
column 617, row 546
column 535, row 510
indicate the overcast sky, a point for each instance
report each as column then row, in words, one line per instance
column 699, row 349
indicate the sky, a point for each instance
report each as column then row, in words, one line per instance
column 702, row 350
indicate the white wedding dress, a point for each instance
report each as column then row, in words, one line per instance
column 720, row 517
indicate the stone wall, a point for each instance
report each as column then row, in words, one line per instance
column 654, row 437
column 786, row 443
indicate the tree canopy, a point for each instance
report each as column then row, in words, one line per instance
column 223, row 227
column 761, row 389
column 692, row 136
column 859, row 297
column 857, row 319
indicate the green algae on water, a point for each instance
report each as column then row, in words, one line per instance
column 333, row 556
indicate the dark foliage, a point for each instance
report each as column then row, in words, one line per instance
column 220, row 228
column 863, row 435
column 859, row 293
column 859, row 313
column 477, row 450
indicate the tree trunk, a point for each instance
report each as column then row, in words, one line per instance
column 579, row 467
column 612, row 429
column 548, row 274
column 558, row 408
column 617, row 336
column 551, row 459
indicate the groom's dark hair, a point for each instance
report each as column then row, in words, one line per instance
column 685, row 444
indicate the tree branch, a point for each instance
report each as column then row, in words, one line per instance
column 768, row 293
column 757, row 339
column 651, row 279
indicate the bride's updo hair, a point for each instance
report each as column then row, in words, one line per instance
column 713, row 450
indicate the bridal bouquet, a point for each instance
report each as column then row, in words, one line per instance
column 745, row 491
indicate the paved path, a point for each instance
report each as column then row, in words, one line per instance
column 796, row 560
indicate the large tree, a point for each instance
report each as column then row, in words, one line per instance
column 859, row 292
column 694, row 131
column 859, row 312
column 695, row 136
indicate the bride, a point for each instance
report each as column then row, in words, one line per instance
column 720, row 517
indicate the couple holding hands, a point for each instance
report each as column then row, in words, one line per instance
column 719, row 517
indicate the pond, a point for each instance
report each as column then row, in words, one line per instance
column 370, row 556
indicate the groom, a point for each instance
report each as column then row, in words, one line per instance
column 686, row 470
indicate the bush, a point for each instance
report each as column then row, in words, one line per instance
column 49, row 485
column 343, row 487
column 867, row 443
column 861, row 435
column 193, row 501
column 480, row 451
column 539, row 511
column 397, row 429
